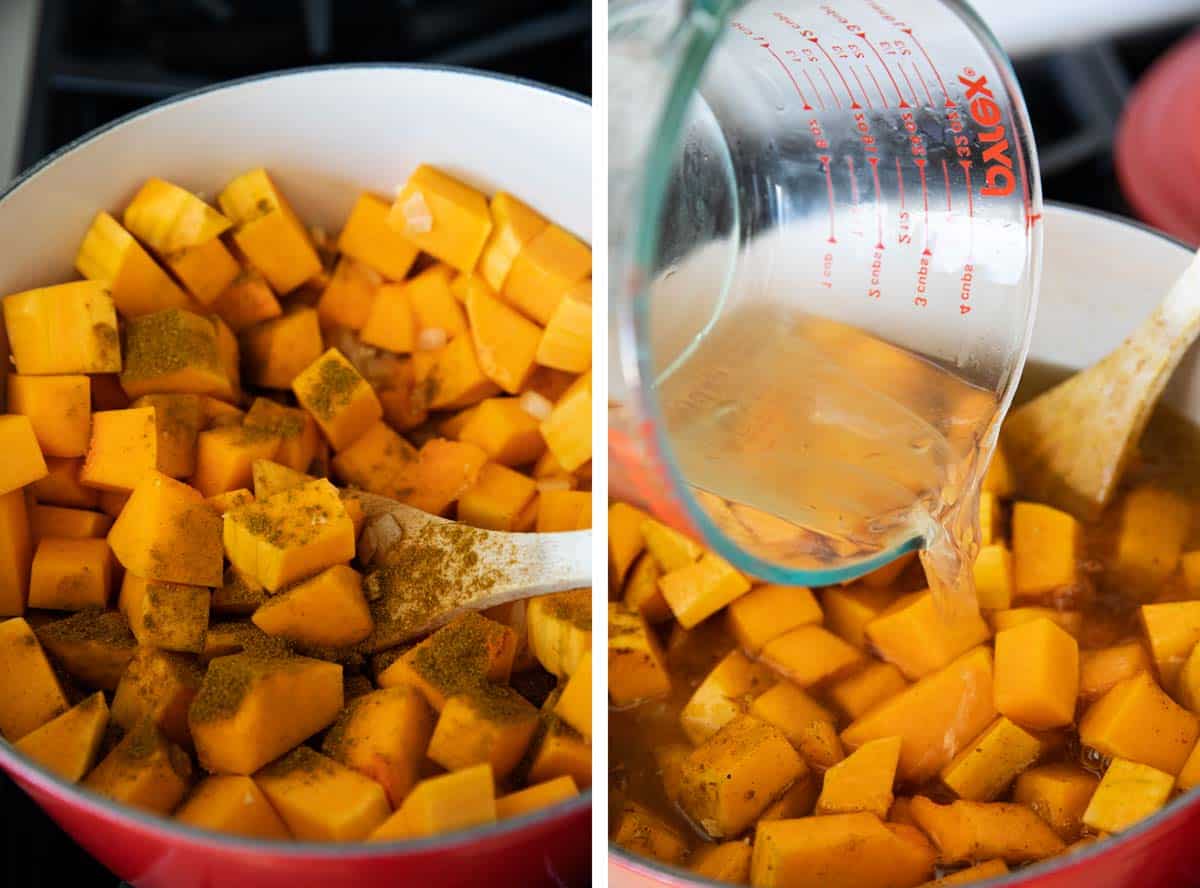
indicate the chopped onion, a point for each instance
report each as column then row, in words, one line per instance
column 536, row 405
column 553, row 483
column 431, row 339
column 417, row 217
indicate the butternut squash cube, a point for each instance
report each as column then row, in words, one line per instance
column 445, row 470
column 271, row 478
column 456, row 379
column 168, row 218
column 61, row 487
column 93, row 646
column 863, row 780
column 637, row 667
column 70, row 328
column 1128, row 792
column 230, row 499
column 349, row 296
column 383, row 735
column 1070, row 621
column 625, row 540
column 699, row 590
column 245, row 713
column 1100, row 669
column 1046, row 547
column 642, row 594
column 390, row 323
column 178, row 419
column 443, row 804
column 123, row 449
column 233, row 805
column 16, row 552
column 380, row 461
column 434, row 306
column 670, row 548
column 268, row 232
column 1172, row 630
column 160, row 686
column 993, row 574
column 514, row 224
column 339, row 399
column 575, row 704
column 111, row 255
column 849, row 610
column 566, row 343
column 321, row 800
column 290, row 536
column 166, row 531
column 504, row 431
column 248, row 300
column 174, row 352
column 225, row 456
column 23, row 462
column 839, row 851
column 69, row 744
column 564, row 510
column 206, row 270
column 809, row 655
column 976, row 831
column 544, row 270
column 30, row 694
column 1037, row 675
column 807, row 724
column 59, row 408
column 71, row 574
column 568, row 428
column 643, row 832
column 985, row 768
column 560, row 630
column 727, row 862
column 1135, row 720
column 239, row 595
column 443, row 216
column 368, row 238
column 488, row 724
column 506, row 343
column 1189, row 775
column 920, row 636
column 295, row 429
column 172, row 616
column 1059, row 793
column 561, row 752
column 726, row 692
column 857, row 694
column 143, row 770
column 326, row 611
column 727, row 781
column 535, row 797
column 1155, row 523
column 277, row 350
column 766, row 612
column 936, row 717
column 497, row 499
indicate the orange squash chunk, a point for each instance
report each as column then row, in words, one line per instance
column 560, row 630
column 1172, row 630
column 727, row 862
column 62, row 487
column 807, row 724
column 809, row 655
column 766, row 612
column 166, row 531
column 71, row 574
column 245, row 713
column 230, row 499
column 506, row 343
column 575, row 703
column 247, row 300
column 567, row 340
column 326, row 611
column 369, row 238
column 988, row 764
column 112, row 256
column 456, row 379
column 59, row 407
column 69, row 744
column 349, row 296
column 30, row 694
column 171, row 616
column 1128, row 792
column 862, row 781
column 158, row 685
column 566, row 510
column 205, row 270
column 168, row 218
column 278, row 349
column 488, row 723
column 268, row 232
column 123, row 449
column 174, row 352
column 637, row 667
column 971, row 832
column 339, row 399
column 920, row 637
column 321, row 800
column 536, row 797
column 271, row 478
column 70, row 328
column 503, row 429
column 434, row 306
column 561, row 752
column 698, row 590
column 234, row 805
column 443, row 216
column 23, row 461
column 1037, row 675
column 859, row 693
column 514, row 224
column 498, row 498
column 144, row 770
column 1059, row 793
column 225, row 456
column 93, row 646
column 849, row 610
column 544, row 270
column 443, row 804
column 1046, row 547
column 380, row 461
column 16, row 552
column 726, row 692
column 1100, row 669
column 298, row 437
column 568, row 428
column 390, row 323
column 1135, row 720
column 643, row 832
column 625, row 540
column 383, row 735
column 445, row 471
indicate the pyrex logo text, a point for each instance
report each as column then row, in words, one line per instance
column 985, row 111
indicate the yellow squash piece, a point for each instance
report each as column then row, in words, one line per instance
column 503, row 429
column 699, row 590
column 178, row 419
column 16, row 552
column 514, row 224
column 849, row 611
column 643, row 832
column 71, row 574
column 23, row 461
column 144, row 770
column 1102, row 668
column 863, row 780
column 560, row 630
column 567, row 341
column 71, row 328
column 339, row 399
column 69, row 744
column 809, row 655
column 575, row 703
column 920, row 636
column 443, row 804
column 298, row 437
column 1135, row 720
column 544, row 270
column 993, row 572
column 59, row 407
column 123, row 449
column 498, row 498
column 171, row 616
column 489, row 724
column 1127, row 793
column 278, row 349
column 766, row 612
column 368, row 238
column 55, row 521
column 637, row 668
column 985, row 768
column 158, row 685
column 93, row 646
column 1037, row 675
column 390, row 323
column 808, row 725
column 625, row 540
column 30, row 694
column 380, row 461
column 443, row 216
column 1059, row 793
column 1047, row 547
column 568, row 428
column 248, row 300
column 321, row 800
column 564, row 510
column 506, row 343
column 1172, row 630
column 168, row 218
column 326, row 611
column 1155, row 523
column 61, row 487
column 268, row 232
column 111, row 255
column 727, row 862
column 536, row 797
column 174, row 351
column 349, row 297
column 972, row 832
column 726, row 692
column 234, row 805
column 858, row 693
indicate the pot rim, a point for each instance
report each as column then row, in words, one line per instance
column 664, row 874
column 127, row 817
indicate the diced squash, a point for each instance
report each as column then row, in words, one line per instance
column 390, row 323
column 166, row 531
column 858, row 693
column 290, row 536
column 766, row 612
column 433, row 305
column 798, row 801
column 1070, row 621
column 1059, row 793
column 564, row 510
column 16, row 551
column 239, row 595
column 225, row 457
column 848, row 611
column 1188, row 685
column 61, row 487
column 699, row 590
column 369, row 238
column 59, row 408
column 230, row 499
column 489, row 724
column 23, row 461
column 1189, row 566
column 1154, row 526
column 70, row 328
column 560, row 630
column 561, row 752
column 920, row 636
column 335, row 393
column 568, row 428
column 863, row 780
column 112, row 256
column 882, row 577
column 278, row 349
column 160, row 686
column 839, row 851
column 144, row 770
column 380, row 461
column 218, row 413
column 506, row 343
column 268, row 232
column 30, row 694
column 971, row 832
column 809, row 655
column 1047, row 548
column 205, row 270
column 642, row 594
column 637, row 668
column 504, row 431
column 1135, row 720
column 93, row 646
column 536, row 797
column 349, row 296
column 71, row 574
column 936, row 717
column 383, row 735
column 174, row 351
column 245, row 713
column 443, row 216
column 69, row 744
column 670, row 548
column 234, row 805
column 1100, row 669
column 514, row 224
column 625, row 540
column 544, row 270
column 443, row 804
column 575, row 704
column 1128, row 792
column 1037, row 675
column 807, row 725
column 172, row 616
column 168, row 218
column 321, row 800
column 248, row 300
column 456, row 379
column 727, row 781
column 566, row 343
column 178, row 419
column 123, row 449
column 993, row 574
column 1189, row 775
column 726, row 692
column 326, row 611
column 1171, row 629
column 643, row 832
column 270, row 478
column 298, row 437
column 990, row 762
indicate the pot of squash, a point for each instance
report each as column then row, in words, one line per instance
column 860, row 735
column 223, row 317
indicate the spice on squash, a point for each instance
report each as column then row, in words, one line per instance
column 163, row 343
column 303, row 763
column 108, row 628
column 456, row 656
column 227, row 682
column 334, row 387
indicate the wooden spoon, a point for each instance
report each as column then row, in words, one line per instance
column 1071, row 445
column 424, row 570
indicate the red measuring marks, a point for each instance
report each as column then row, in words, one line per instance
column 854, row 204
column 862, row 89
column 764, row 43
column 966, row 165
column 920, row 162
column 859, row 33
column 924, row 85
column 837, row 101
column 904, row 229
column 874, row 162
column 904, row 73
column 932, row 67
column 811, row 37
column 826, row 165
column 878, row 87
column 946, row 177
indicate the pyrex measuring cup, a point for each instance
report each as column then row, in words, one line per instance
column 822, row 216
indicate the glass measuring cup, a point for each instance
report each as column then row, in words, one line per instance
column 823, row 216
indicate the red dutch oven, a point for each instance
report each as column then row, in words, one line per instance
column 325, row 134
